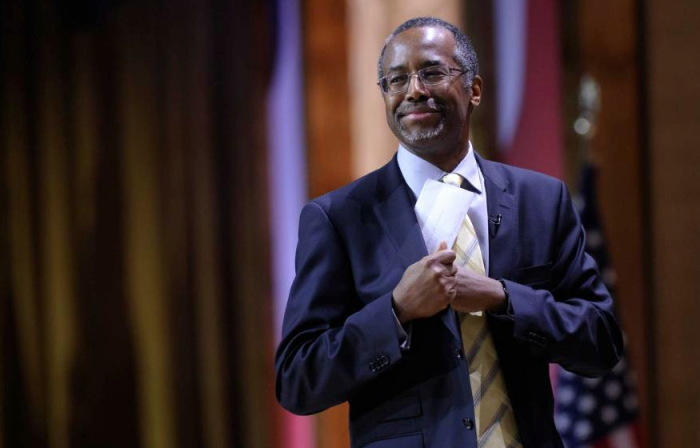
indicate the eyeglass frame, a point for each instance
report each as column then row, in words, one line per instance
column 417, row 73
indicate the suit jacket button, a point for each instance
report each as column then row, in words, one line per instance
column 458, row 353
column 468, row 423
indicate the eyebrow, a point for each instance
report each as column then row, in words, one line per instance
column 431, row 63
column 423, row 64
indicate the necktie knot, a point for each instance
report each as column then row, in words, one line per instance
column 453, row 179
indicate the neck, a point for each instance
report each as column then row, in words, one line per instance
column 445, row 159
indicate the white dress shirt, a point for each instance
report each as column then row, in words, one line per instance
column 417, row 171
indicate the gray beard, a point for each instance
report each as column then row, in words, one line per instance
column 423, row 135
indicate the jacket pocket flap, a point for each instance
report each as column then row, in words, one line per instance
column 402, row 441
column 405, row 406
column 534, row 274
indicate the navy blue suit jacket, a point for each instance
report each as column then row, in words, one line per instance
column 340, row 341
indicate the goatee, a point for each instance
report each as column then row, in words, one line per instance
column 419, row 136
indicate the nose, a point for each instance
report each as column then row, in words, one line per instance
column 416, row 90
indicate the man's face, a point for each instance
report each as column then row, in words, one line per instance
column 433, row 119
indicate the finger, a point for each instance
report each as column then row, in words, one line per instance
column 445, row 256
column 442, row 246
column 452, row 270
column 451, row 290
column 446, row 269
column 448, row 282
column 441, row 270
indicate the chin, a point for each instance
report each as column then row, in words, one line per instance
column 419, row 137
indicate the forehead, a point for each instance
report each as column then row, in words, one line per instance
column 417, row 47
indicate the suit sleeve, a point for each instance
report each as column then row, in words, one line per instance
column 572, row 323
column 332, row 344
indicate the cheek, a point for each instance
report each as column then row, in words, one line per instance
column 464, row 111
column 390, row 104
column 461, row 109
column 389, row 109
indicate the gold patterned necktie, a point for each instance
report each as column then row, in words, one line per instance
column 495, row 420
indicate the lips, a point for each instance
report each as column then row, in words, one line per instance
column 417, row 112
column 420, row 116
column 420, row 110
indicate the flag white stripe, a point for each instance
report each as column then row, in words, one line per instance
column 510, row 23
column 623, row 438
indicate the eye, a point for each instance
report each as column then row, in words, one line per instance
column 432, row 74
column 397, row 79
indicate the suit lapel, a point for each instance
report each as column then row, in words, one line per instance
column 394, row 209
column 503, row 229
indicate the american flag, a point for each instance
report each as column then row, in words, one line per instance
column 597, row 412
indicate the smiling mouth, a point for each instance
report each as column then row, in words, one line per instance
column 419, row 111
column 419, row 115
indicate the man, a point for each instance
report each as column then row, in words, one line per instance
column 428, row 350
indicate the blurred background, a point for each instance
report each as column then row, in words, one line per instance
column 154, row 156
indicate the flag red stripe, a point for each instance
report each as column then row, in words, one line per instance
column 538, row 140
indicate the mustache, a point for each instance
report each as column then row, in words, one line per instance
column 422, row 107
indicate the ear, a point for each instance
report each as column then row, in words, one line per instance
column 477, row 85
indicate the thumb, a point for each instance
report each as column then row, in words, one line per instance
column 442, row 246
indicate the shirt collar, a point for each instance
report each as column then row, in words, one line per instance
column 417, row 171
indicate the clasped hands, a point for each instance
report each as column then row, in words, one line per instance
column 435, row 282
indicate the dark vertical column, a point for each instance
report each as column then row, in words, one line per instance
column 608, row 49
column 174, row 61
column 106, row 408
column 241, row 63
column 19, row 393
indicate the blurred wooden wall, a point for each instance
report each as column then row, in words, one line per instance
column 671, row 40
column 134, row 297
column 329, row 152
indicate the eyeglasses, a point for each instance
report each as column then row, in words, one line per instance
column 430, row 76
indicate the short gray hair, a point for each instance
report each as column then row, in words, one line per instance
column 464, row 51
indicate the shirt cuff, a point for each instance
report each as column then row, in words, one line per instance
column 508, row 312
column 404, row 334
